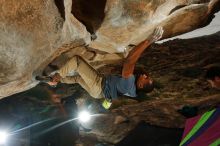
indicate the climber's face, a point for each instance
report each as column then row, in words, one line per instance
column 143, row 81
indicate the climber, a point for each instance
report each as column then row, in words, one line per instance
column 111, row 86
column 213, row 76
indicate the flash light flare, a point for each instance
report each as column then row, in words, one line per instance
column 3, row 137
column 84, row 116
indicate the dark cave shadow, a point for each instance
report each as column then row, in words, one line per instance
column 90, row 13
column 61, row 8
column 148, row 135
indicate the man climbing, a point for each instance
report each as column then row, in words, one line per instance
column 111, row 86
column 213, row 76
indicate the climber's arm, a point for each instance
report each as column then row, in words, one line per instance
column 134, row 55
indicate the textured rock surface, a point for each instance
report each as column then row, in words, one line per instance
column 177, row 66
column 33, row 33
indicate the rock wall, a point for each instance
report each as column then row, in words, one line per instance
column 31, row 33
column 34, row 33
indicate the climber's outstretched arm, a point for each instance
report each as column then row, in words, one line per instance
column 134, row 55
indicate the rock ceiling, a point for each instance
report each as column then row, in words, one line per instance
column 35, row 33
